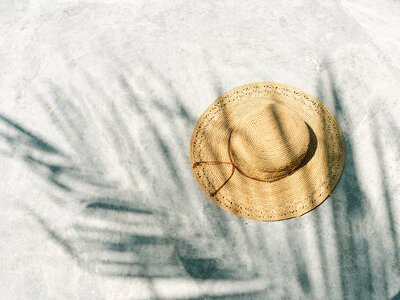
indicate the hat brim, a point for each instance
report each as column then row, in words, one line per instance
column 292, row 196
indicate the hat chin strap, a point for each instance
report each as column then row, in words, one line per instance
column 234, row 167
column 199, row 163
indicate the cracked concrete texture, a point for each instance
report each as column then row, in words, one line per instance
column 99, row 100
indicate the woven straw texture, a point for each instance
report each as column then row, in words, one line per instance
column 267, row 151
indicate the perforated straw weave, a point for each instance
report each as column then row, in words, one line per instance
column 267, row 151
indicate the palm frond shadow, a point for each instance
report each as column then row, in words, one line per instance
column 362, row 272
column 349, row 208
column 396, row 297
column 121, row 231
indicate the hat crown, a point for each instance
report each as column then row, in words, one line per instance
column 269, row 143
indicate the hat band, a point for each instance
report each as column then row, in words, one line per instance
column 234, row 167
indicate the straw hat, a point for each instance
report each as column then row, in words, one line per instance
column 267, row 151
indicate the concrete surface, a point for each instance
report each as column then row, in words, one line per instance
column 98, row 103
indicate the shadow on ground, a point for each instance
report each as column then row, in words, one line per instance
column 122, row 232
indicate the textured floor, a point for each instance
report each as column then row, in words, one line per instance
column 98, row 103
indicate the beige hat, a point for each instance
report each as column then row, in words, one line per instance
column 267, row 151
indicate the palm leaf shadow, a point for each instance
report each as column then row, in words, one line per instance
column 350, row 208
column 133, row 248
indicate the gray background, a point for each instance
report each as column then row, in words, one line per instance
column 98, row 103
